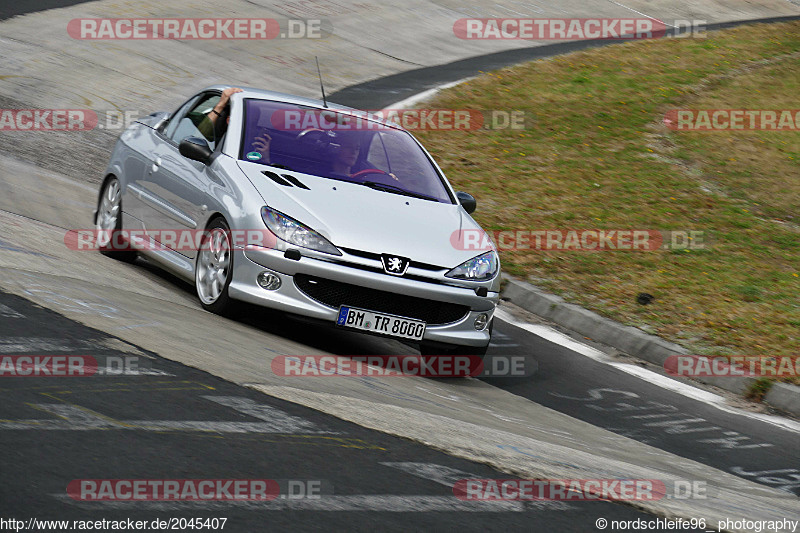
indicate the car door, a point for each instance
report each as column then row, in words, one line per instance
column 176, row 187
column 133, row 154
column 144, row 192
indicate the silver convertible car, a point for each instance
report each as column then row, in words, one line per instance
column 328, row 213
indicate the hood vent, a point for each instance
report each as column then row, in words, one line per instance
column 287, row 180
column 277, row 179
column 296, row 181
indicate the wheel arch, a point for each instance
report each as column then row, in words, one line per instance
column 213, row 216
column 103, row 184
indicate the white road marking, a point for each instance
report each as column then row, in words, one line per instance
column 76, row 418
column 668, row 418
column 685, row 389
column 444, row 475
column 7, row 312
column 640, row 13
column 769, row 477
column 385, row 503
column 424, row 95
column 102, row 372
column 53, row 344
column 282, row 422
column 38, row 344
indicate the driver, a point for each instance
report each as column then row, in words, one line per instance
column 208, row 126
column 334, row 152
column 346, row 154
column 211, row 130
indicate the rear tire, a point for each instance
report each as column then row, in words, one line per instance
column 214, row 268
column 108, row 223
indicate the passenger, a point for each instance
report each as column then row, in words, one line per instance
column 209, row 126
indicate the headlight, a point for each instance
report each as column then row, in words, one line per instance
column 292, row 231
column 478, row 268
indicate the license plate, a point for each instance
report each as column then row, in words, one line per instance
column 381, row 323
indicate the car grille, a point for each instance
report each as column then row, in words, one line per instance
column 377, row 257
column 335, row 294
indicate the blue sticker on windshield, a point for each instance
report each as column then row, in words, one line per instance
column 253, row 156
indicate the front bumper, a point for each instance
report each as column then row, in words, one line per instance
column 289, row 298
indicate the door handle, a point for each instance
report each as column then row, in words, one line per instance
column 156, row 164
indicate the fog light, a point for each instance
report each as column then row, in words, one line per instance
column 269, row 281
column 480, row 321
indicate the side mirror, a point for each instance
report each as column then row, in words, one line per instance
column 467, row 202
column 196, row 149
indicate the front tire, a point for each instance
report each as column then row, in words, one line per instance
column 214, row 268
column 108, row 223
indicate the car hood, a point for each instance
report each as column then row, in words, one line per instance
column 361, row 218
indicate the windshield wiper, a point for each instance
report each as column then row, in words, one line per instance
column 278, row 165
column 395, row 189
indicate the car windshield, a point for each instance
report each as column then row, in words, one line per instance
column 339, row 146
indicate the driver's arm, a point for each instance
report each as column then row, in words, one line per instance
column 206, row 126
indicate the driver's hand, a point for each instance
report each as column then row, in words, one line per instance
column 262, row 142
column 226, row 95
column 223, row 101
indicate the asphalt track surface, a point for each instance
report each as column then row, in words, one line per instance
column 21, row 7
column 137, row 426
column 610, row 398
column 37, row 469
